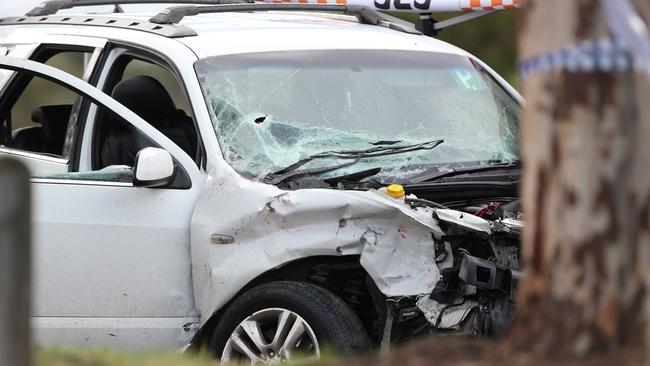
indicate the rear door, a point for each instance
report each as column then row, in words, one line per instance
column 20, row 126
column 112, row 261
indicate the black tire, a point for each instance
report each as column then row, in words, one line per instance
column 335, row 325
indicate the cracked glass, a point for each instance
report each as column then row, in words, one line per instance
column 270, row 110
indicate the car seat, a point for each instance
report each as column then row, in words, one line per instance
column 147, row 98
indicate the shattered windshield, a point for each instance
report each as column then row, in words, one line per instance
column 273, row 109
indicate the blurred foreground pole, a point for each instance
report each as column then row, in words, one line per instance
column 586, row 192
column 14, row 264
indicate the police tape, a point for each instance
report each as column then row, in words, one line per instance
column 629, row 30
column 628, row 49
column 603, row 55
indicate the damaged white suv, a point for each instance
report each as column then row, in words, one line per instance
column 260, row 179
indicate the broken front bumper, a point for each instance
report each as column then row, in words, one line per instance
column 488, row 291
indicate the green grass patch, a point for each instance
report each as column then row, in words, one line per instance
column 50, row 356
column 55, row 356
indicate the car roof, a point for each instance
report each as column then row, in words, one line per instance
column 247, row 32
column 229, row 33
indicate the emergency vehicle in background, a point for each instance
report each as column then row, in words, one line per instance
column 262, row 179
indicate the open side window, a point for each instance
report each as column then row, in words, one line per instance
column 148, row 87
column 36, row 112
column 145, row 134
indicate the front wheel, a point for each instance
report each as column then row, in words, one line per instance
column 281, row 321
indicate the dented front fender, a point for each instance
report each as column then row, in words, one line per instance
column 270, row 227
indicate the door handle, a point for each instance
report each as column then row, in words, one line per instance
column 221, row 239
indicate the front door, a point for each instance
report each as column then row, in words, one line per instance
column 111, row 261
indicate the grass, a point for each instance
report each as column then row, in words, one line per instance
column 50, row 356
column 54, row 356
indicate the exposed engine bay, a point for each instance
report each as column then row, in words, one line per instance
column 476, row 250
column 478, row 259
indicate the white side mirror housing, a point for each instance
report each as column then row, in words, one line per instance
column 153, row 167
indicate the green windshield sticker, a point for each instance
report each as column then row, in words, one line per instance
column 468, row 79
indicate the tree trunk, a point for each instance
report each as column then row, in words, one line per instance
column 15, row 259
column 586, row 192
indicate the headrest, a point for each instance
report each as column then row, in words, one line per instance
column 52, row 114
column 54, row 122
column 147, row 98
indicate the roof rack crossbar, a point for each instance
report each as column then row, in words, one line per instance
column 175, row 14
column 52, row 6
column 165, row 30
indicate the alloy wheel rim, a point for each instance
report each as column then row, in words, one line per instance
column 272, row 336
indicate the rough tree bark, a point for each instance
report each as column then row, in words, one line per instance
column 586, row 194
column 15, row 267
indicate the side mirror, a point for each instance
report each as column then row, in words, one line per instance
column 153, row 167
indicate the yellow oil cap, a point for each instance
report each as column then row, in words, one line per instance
column 395, row 190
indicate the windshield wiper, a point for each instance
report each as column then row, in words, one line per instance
column 353, row 155
column 428, row 177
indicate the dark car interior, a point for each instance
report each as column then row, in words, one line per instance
column 153, row 93
column 48, row 135
column 147, row 98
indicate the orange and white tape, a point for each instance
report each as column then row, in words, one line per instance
column 469, row 5
column 417, row 6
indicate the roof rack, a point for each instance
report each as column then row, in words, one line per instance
column 166, row 22
column 165, row 30
column 367, row 15
column 53, row 6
